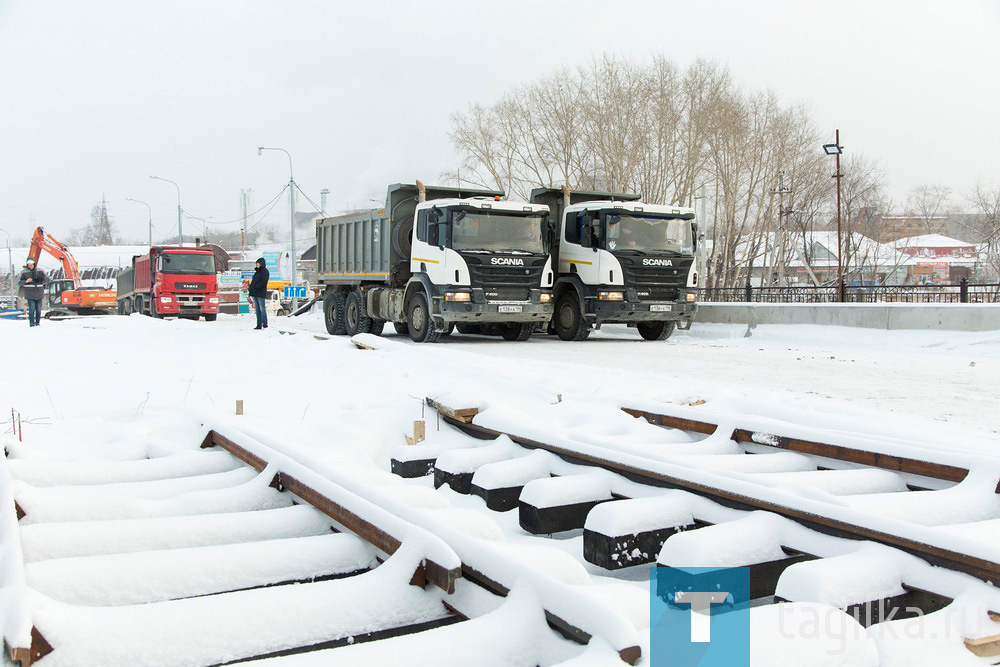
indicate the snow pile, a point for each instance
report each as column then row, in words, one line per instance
column 872, row 572
column 557, row 491
column 755, row 538
column 468, row 460
column 808, row 635
column 628, row 517
column 153, row 576
column 514, row 472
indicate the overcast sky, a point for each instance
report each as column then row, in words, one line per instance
column 95, row 96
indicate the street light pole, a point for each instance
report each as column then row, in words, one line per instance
column 139, row 201
column 836, row 149
column 291, row 219
column 180, row 228
column 10, row 260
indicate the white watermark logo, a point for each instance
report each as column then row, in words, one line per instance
column 701, row 611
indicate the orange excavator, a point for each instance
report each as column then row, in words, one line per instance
column 68, row 293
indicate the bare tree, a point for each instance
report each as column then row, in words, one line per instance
column 929, row 204
column 985, row 201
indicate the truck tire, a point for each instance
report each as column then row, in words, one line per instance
column 469, row 329
column 377, row 327
column 655, row 330
column 401, row 328
column 519, row 331
column 418, row 319
column 570, row 324
column 138, row 306
column 333, row 313
column 355, row 319
column 450, row 329
column 211, row 318
column 402, row 238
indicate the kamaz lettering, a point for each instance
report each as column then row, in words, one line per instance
column 507, row 261
column 658, row 262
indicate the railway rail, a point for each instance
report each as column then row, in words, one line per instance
column 636, row 510
column 170, row 560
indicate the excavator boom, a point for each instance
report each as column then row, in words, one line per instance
column 78, row 299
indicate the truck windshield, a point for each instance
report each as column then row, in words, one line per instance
column 190, row 264
column 644, row 233
column 497, row 231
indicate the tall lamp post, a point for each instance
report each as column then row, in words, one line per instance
column 139, row 201
column 180, row 228
column 836, row 149
column 291, row 219
column 10, row 260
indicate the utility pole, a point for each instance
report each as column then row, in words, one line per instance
column 243, row 225
column 836, row 149
column 291, row 219
column 137, row 201
column 779, row 241
column 10, row 261
column 180, row 228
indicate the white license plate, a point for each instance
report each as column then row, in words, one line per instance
column 660, row 308
column 510, row 309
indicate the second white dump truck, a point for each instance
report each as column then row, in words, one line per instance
column 435, row 257
column 620, row 260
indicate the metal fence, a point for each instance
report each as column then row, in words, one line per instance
column 962, row 292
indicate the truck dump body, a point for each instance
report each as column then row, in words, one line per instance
column 353, row 247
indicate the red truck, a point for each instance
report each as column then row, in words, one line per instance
column 170, row 280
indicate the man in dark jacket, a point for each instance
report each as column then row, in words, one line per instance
column 32, row 282
column 258, row 292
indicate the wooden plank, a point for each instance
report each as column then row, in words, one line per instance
column 362, row 346
column 980, row 568
column 462, row 414
column 26, row 656
column 984, row 647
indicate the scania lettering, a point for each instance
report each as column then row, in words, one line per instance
column 170, row 281
column 436, row 258
column 620, row 260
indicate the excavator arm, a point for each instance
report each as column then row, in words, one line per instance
column 41, row 241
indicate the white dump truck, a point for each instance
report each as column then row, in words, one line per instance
column 433, row 258
column 620, row 260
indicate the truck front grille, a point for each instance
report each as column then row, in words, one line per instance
column 510, row 283
column 656, row 283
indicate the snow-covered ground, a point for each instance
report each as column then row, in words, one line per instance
column 106, row 383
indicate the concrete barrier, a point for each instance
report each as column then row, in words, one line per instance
column 952, row 316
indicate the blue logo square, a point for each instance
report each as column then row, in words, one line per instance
column 698, row 617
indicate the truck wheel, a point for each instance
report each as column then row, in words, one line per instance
column 211, row 318
column 419, row 319
column 377, row 327
column 401, row 328
column 519, row 331
column 152, row 310
column 333, row 313
column 469, row 329
column 355, row 320
column 655, row 330
column 138, row 306
column 569, row 321
column 449, row 329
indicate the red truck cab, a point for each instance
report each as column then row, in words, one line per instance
column 171, row 281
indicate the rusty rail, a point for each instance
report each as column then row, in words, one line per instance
column 871, row 459
column 980, row 568
column 432, row 572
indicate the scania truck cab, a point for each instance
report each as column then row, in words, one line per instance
column 620, row 260
column 434, row 258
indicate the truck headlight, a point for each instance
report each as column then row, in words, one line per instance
column 213, row 299
column 166, row 299
column 458, row 296
column 690, row 297
column 545, row 297
column 611, row 296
